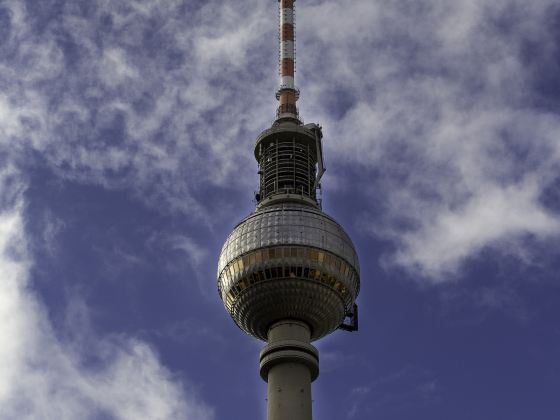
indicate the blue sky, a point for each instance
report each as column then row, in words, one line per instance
column 126, row 134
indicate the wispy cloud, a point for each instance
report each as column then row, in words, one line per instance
column 442, row 111
column 45, row 374
column 139, row 96
column 437, row 104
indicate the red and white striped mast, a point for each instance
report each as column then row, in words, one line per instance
column 287, row 94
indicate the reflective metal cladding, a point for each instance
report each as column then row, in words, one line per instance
column 288, row 261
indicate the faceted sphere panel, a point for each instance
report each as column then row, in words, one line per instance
column 261, row 305
column 288, row 261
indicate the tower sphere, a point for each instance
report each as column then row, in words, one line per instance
column 288, row 261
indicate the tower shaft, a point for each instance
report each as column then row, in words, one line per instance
column 289, row 363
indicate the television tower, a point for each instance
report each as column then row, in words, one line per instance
column 288, row 274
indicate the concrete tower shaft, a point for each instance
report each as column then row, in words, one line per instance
column 289, row 364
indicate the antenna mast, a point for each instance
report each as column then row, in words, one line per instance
column 287, row 94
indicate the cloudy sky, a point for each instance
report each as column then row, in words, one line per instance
column 126, row 134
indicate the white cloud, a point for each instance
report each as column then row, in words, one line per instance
column 493, row 215
column 114, row 68
column 44, row 375
column 138, row 96
column 442, row 111
column 439, row 102
column 194, row 252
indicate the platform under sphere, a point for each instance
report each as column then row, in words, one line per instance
column 288, row 261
